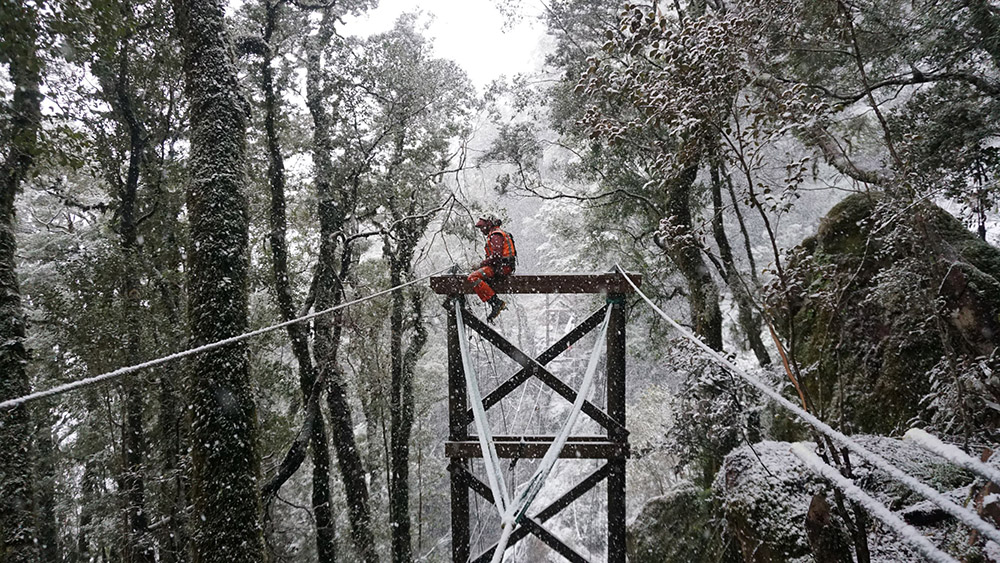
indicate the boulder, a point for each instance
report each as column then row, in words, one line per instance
column 680, row 527
column 889, row 305
column 765, row 496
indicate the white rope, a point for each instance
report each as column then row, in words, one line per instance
column 952, row 454
column 552, row 455
column 544, row 468
column 10, row 403
column 509, row 511
column 490, row 459
column 903, row 530
column 964, row 515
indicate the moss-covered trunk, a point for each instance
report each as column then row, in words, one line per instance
column 681, row 245
column 18, row 27
column 225, row 458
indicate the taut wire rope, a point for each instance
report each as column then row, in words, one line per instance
column 59, row 389
column 915, row 538
column 969, row 518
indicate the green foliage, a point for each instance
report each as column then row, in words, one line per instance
column 681, row 527
column 892, row 325
column 929, row 65
column 715, row 413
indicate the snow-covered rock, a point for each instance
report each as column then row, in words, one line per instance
column 761, row 496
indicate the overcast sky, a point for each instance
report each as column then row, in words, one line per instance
column 469, row 32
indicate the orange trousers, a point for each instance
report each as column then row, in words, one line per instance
column 479, row 278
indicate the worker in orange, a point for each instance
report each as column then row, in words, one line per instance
column 500, row 262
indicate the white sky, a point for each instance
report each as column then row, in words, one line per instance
column 469, row 32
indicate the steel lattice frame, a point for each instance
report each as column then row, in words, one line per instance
column 612, row 446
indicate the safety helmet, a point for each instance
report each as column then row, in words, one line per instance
column 487, row 222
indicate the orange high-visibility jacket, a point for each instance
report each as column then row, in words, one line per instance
column 500, row 251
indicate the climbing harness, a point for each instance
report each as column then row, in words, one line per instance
column 512, row 512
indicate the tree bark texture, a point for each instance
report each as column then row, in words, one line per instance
column 749, row 321
column 224, row 452
column 400, row 419
column 322, row 507
column 139, row 546
column 18, row 25
column 827, row 540
column 685, row 252
column 89, row 493
column 48, row 529
column 329, row 292
column 173, row 539
column 403, row 363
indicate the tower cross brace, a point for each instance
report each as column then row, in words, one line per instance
column 612, row 445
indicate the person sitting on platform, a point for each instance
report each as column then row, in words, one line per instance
column 500, row 262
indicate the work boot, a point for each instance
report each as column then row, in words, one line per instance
column 496, row 305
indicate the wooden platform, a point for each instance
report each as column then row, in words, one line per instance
column 542, row 283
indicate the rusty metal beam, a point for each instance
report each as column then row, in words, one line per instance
column 542, row 283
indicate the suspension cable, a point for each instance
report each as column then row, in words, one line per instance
column 11, row 403
column 917, row 540
column 964, row 515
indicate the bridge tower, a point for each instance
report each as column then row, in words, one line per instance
column 611, row 445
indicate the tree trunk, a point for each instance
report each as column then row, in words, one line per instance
column 224, row 452
column 173, row 540
column 740, row 288
column 17, row 141
column 827, row 540
column 352, row 470
column 329, row 292
column 400, row 422
column 322, row 507
column 48, row 529
column 88, row 496
column 138, row 547
column 684, row 250
column 403, row 363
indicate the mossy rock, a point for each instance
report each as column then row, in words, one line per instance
column 764, row 493
column 680, row 527
column 843, row 231
column 878, row 297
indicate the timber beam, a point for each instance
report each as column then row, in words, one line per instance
column 535, row 447
column 547, row 356
column 533, row 525
column 536, row 369
column 541, row 283
column 612, row 446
